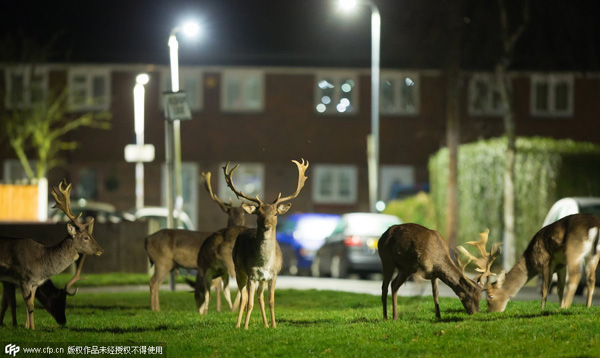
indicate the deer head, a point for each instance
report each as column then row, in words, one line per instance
column 236, row 215
column 81, row 233
column 267, row 213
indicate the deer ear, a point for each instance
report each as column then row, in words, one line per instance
column 501, row 278
column 283, row 208
column 250, row 209
column 90, row 226
column 71, row 230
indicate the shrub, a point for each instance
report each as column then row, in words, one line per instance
column 417, row 209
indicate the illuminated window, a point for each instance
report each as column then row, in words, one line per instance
column 89, row 89
column 335, row 184
column 248, row 178
column 25, row 87
column 336, row 94
column 191, row 82
column 484, row 96
column 552, row 95
column 242, row 91
column 399, row 93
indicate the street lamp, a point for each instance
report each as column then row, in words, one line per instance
column 373, row 138
column 172, row 127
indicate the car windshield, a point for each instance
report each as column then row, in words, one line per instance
column 591, row 209
column 369, row 224
column 316, row 228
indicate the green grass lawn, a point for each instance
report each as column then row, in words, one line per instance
column 317, row 323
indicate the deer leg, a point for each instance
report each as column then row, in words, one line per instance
column 199, row 291
column 574, row 277
column 208, row 280
column 217, row 283
column 251, row 289
column 436, row 301
column 387, row 277
column 272, row 284
column 261, row 302
column 8, row 300
column 591, row 278
column 226, row 291
column 243, row 292
column 396, row 283
column 28, row 293
column 160, row 273
column 560, row 285
column 546, row 281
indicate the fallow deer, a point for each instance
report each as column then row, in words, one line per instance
column 169, row 249
column 256, row 253
column 51, row 297
column 560, row 247
column 27, row 263
column 414, row 249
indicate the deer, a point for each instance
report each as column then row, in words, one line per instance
column 27, row 263
column 51, row 297
column 560, row 247
column 169, row 249
column 414, row 249
column 256, row 253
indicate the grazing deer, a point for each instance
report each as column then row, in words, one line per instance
column 412, row 248
column 52, row 298
column 169, row 249
column 560, row 247
column 27, row 263
column 256, row 253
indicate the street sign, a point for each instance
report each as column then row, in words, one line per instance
column 176, row 106
column 135, row 153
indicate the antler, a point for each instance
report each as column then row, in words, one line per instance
column 76, row 277
column 233, row 188
column 63, row 200
column 301, row 179
column 224, row 206
column 484, row 263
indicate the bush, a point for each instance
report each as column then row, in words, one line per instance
column 416, row 209
column 546, row 170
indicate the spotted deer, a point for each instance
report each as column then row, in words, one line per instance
column 53, row 299
column 27, row 263
column 170, row 249
column 560, row 247
column 256, row 253
column 414, row 249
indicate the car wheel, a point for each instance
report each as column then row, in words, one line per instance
column 339, row 268
column 315, row 270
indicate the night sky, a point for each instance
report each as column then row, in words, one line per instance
column 561, row 35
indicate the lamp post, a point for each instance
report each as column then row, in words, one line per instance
column 138, row 111
column 373, row 138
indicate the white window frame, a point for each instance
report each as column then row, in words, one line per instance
column 244, row 105
column 489, row 109
column 92, row 103
column 196, row 103
column 335, row 77
column 399, row 78
column 552, row 80
column 337, row 172
column 26, row 72
column 249, row 178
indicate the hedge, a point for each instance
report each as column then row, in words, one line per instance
column 546, row 170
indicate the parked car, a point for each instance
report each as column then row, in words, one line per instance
column 569, row 206
column 158, row 217
column 300, row 236
column 352, row 247
column 99, row 211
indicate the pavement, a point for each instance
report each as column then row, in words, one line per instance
column 372, row 287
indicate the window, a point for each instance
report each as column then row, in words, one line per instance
column 335, row 184
column 399, row 93
column 189, row 189
column 249, row 178
column 396, row 181
column 484, row 96
column 552, row 95
column 191, row 82
column 242, row 91
column 25, row 87
column 89, row 89
column 336, row 94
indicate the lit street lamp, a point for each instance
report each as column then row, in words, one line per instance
column 373, row 138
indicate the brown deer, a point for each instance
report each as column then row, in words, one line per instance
column 414, row 249
column 560, row 247
column 27, row 263
column 169, row 249
column 256, row 253
column 52, row 298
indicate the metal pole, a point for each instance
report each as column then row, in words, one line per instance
column 374, row 152
column 170, row 139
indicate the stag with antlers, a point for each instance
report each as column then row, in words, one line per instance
column 414, row 249
column 560, row 247
column 256, row 253
column 27, row 263
column 169, row 249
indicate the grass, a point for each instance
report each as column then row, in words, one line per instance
column 319, row 323
column 112, row 279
